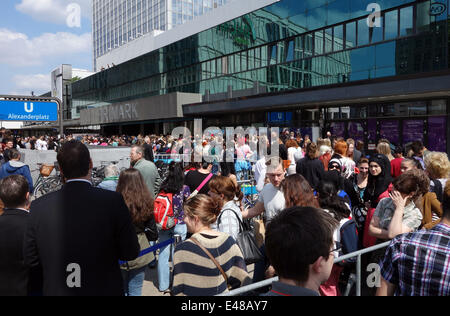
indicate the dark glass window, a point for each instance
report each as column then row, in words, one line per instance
column 273, row 54
column 406, row 21
column 338, row 39
column 328, row 40
column 437, row 107
column 363, row 32
column 391, row 25
column 350, row 35
column 318, row 42
column 290, row 51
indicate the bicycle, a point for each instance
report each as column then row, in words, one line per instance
column 46, row 183
column 98, row 173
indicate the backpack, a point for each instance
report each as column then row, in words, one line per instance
column 163, row 211
column 349, row 238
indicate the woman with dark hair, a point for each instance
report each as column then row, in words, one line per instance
column 378, row 187
column 227, row 169
column 172, row 186
column 195, row 273
column 193, row 179
column 140, row 204
column 310, row 167
column 298, row 192
column 336, row 206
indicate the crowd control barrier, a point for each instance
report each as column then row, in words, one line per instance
column 357, row 279
column 175, row 241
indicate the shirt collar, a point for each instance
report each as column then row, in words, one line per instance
column 13, row 209
column 443, row 227
column 79, row 180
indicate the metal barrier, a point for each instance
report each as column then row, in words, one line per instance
column 357, row 254
column 175, row 241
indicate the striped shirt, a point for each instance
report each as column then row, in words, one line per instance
column 195, row 274
column 419, row 263
column 229, row 222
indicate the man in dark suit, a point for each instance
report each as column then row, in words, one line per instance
column 79, row 233
column 14, row 274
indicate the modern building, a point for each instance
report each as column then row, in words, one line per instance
column 119, row 22
column 311, row 65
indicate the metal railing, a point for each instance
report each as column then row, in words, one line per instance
column 357, row 254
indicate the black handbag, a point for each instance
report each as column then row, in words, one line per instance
column 246, row 240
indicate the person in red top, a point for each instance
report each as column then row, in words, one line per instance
column 396, row 163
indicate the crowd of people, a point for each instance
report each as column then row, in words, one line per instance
column 316, row 201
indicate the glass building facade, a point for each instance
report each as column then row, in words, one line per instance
column 116, row 22
column 291, row 45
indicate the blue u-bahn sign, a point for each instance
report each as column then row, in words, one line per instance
column 28, row 111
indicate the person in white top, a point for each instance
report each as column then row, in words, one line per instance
column 295, row 153
column 271, row 200
column 41, row 144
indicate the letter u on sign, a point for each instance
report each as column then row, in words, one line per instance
column 28, row 110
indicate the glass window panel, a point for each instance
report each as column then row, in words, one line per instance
column 406, row 21
column 258, row 57
column 308, row 45
column 328, row 40
column 290, row 51
column 363, row 32
column 350, row 35
column 423, row 17
column 376, row 33
column 391, row 25
column 338, row 39
column 318, row 42
column 358, row 112
column 273, row 54
column 437, row 107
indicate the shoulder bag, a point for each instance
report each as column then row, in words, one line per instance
column 213, row 260
column 245, row 240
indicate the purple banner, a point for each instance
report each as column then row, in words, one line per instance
column 412, row 131
column 337, row 129
column 390, row 131
column 437, row 134
column 356, row 131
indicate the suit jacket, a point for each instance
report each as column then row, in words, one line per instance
column 13, row 271
column 78, row 234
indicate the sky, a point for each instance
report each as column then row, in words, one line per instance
column 37, row 36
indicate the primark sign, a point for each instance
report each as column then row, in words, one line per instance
column 110, row 114
column 28, row 111
column 145, row 109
